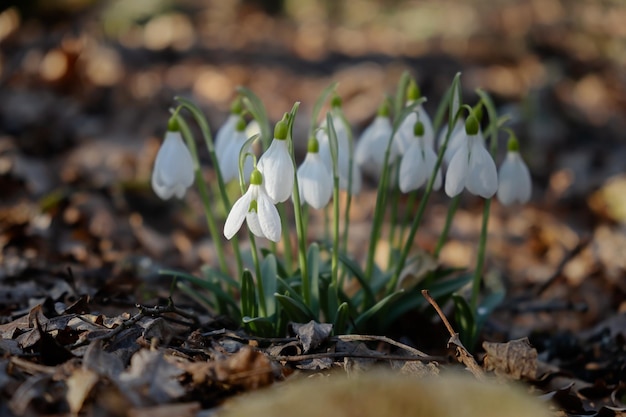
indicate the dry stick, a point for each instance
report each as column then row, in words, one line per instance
column 463, row 354
column 298, row 358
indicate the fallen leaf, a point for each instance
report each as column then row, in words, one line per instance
column 516, row 359
column 311, row 334
column 79, row 385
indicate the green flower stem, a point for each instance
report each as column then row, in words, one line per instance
column 300, row 230
column 334, row 152
column 454, row 205
column 208, row 139
column 482, row 245
column 395, row 197
column 286, row 238
column 204, row 193
column 259, row 278
column 408, row 212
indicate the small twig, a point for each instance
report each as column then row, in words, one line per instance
column 384, row 339
column 463, row 354
column 305, row 357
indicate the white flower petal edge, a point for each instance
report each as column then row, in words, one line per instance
column 314, row 181
column 238, row 212
column 173, row 170
column 411, row 175
column 482, row 178
column 371, row 147
column 278, row 171
column 269, row 220
column 457, row 172
column 514, row 180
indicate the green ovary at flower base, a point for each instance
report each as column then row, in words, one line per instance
column 173, row 170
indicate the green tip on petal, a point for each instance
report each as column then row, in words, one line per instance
column 172, row 124
column 413, row 91
column 286, row 117
column 472, row 125
column 418, row 128
column 336, row 101
column 253, row 207
column 313, row 146
column 241, row 125
column 513, row 144
column 383, row 109
column 236, row 107
column 280, row 131
column 256, row 178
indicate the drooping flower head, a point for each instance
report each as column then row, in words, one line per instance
column 344, row 154
column 257, row 209
column 228, row 129
column 229, row 162
column 277, row 166
column 173, row 170
column 472, row 166
column 418, row 162
column 404, row 134
column 515, row 184
column 372, row 145
column 315, row 181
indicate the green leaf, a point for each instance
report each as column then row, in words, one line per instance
column 317, row 107
column 295, row 310
column 270, row 284
column 400, row 97
column 216, row 275
column 358, row 273
column 487, row 306
column 248, row 295
column 465, row 319
column 376, row 311
column 341, row 319
column 313, row 260
column 260, row 325
column 257, row 109
column 280, row 266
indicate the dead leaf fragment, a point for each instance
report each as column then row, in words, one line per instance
column 311, row 334
column 516, row 359
column 79, row 385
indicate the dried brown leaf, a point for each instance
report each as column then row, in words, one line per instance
column 311, row 334
column 79, row 385
column 515, row 359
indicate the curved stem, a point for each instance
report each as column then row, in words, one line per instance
column 454, row 205
column 259, row 278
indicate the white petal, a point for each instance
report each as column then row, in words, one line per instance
column 238, row 213
column 410, row 168
column 482, row 177
column 277, row 168
column 430, row 160
column 252, row 220
column 173, row 167
column 514, row 180
column 457, row 172
column 371, row 148
column 429, row 133
column 315, row 181
column 269, row 219
column 224, row 134
column 405, row 133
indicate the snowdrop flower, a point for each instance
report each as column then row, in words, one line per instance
column 277, row 166
column 418, row 162
column 258, row 209
column 371, row 148
column 173, row 170
column 472, row 166
column 229, row 162
column 515, row 183
column 225, row 133
column 314, row 179
column 404, row 135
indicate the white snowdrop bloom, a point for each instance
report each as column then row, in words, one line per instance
column 229, row 162
column 472, row 167
column 418, row 163
column 173, row 170
column 372, row 145
column 258, row 209
column 277, row 166
column 253, row 128
column 515, row 184
column 224, row 133
column 315, row 181
column 343, row 155
column 404, row 134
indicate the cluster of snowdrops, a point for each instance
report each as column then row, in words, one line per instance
column 402, row 147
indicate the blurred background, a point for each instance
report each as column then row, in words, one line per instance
column 85, row 88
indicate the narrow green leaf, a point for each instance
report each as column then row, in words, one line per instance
column 313, row 260
column 358, row 273
column 466, row 321
column 295, row 310
column 376, row 311
column 254, row 104
column 400, row 97
column 214, row 288
column 270, row 285
column 340, row 322
column 317, row 107
column 248, row 295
